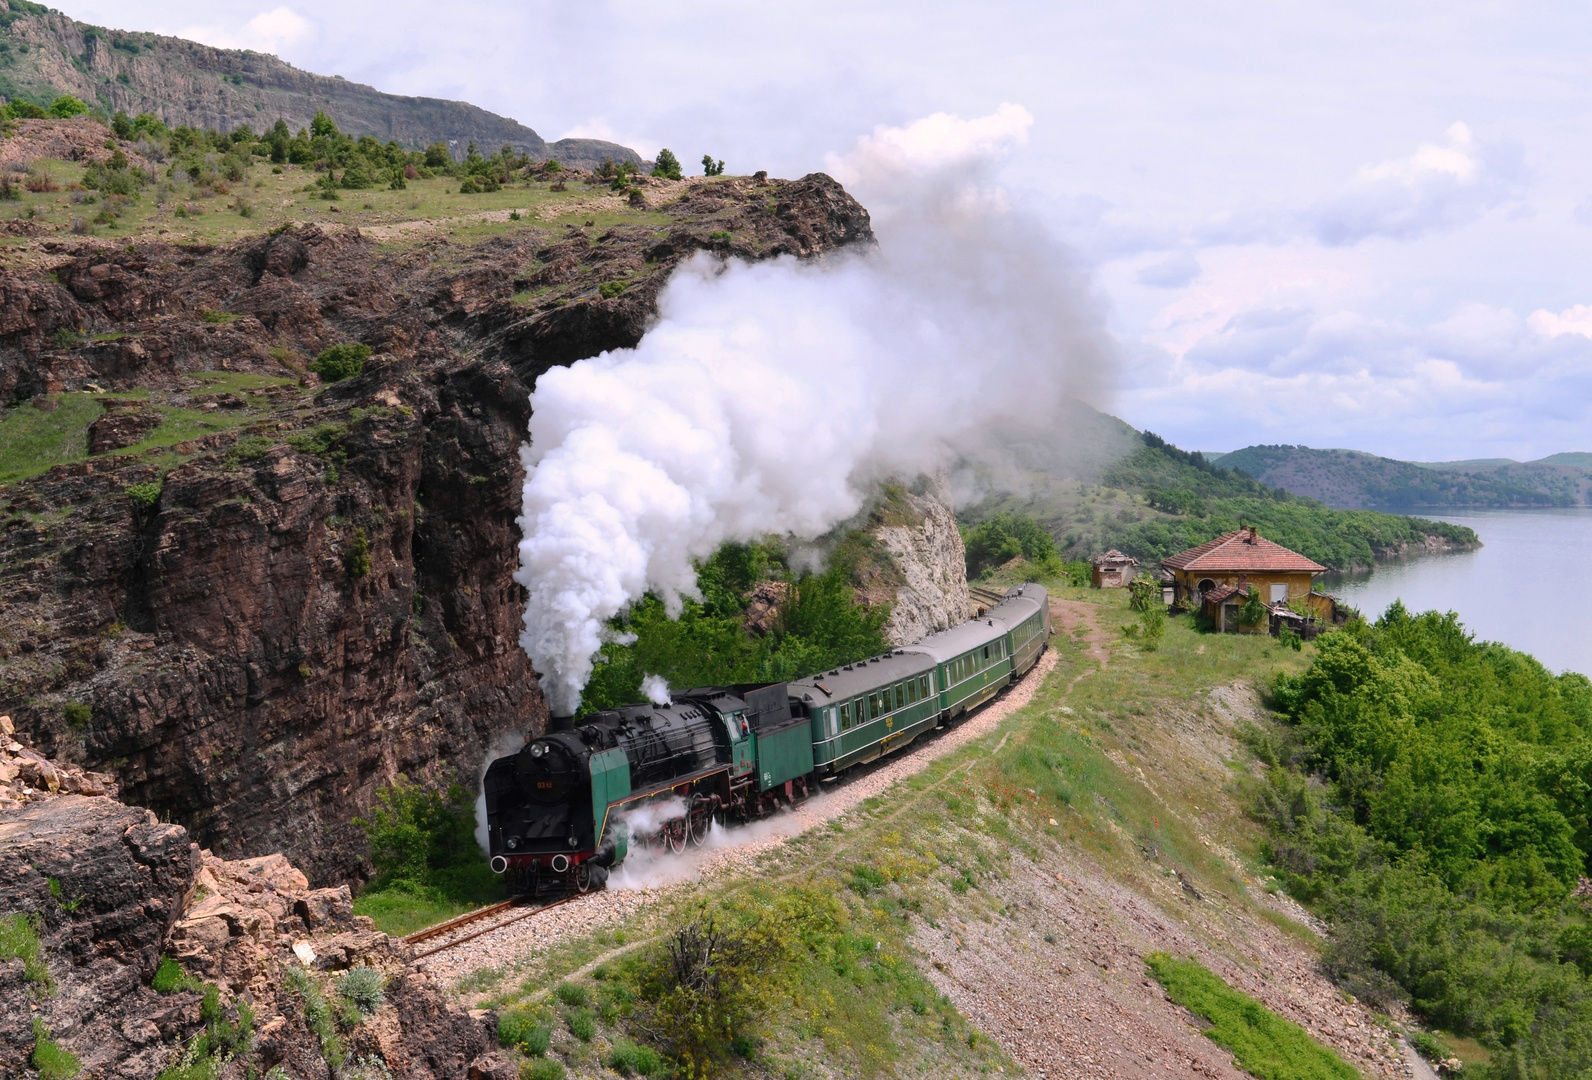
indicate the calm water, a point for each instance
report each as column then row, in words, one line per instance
column 1529, row 586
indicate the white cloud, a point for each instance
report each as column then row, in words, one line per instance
column 1438, row 186
column 269, row 31
column 1575, row 320
column 1172, row 272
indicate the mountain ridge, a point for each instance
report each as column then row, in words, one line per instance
column 44, row 53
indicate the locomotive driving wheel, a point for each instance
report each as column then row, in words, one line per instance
column 583, row 877
column 673, row 833
column 699, row 820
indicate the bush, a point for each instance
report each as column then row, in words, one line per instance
column 1153, row 622
column 52, row 1062
column 711, row 167
column 422, row 842
column 77, row 713
column 572, row 994
column 170, row 977
column 542, row 1069
column 1005, row 537
column 317, row 1014
column 521, row 1028
column 363, row 987
column 19, row 940
column 583, row 1024
column 667, row 165
column 341, row 362
column 611, row 289
column 628, row 1059
column 144, row 495
column 358, row 559
column 66, row 106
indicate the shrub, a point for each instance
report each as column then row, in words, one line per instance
column 170, row 977
column 219, row 318
column 19, row 940
column 667, row 165
column 628, row 1059
column 423, row 842
column 1154, row 623
column 542, row 1069
column 317, row 1014
column 144, row 495
column 363, row 987
column 711, row 167
column 572, row 994
column 521, row 1028
column 611, row 289
column 1003, row 538
column 358, row 561
column 341, row 361
column 77, row 713
column 52, row 1062
column 583, row 1024
column 66, row 106
column 248, row 448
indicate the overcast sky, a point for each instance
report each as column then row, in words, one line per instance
column 1361, row 225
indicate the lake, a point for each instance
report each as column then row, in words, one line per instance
column 1529, row 585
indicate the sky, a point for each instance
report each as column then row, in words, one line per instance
column 1347, row 225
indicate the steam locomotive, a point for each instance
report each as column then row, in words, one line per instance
column 569, row 805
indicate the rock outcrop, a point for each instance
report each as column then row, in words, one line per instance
column 923, row 576
column 256, row 627
column 109, row 889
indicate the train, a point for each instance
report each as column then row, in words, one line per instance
column 569, row 806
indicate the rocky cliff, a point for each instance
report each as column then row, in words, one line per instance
column 285, row 595
column 106, row 890
column 44, row 53
column 918, row 533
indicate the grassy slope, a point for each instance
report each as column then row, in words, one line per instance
column 1061, row 782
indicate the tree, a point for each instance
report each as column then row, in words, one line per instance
column 122, row 125
column 711, row 167
column 438, row 156
column 667, row 165
column 66, row 106
column 322, row 127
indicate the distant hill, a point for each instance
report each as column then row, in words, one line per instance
column 1350, row 479
column 44, row 54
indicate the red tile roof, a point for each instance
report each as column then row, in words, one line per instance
column 1222, row 592
column 1241, row 551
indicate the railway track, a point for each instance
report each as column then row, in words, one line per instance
column 468, row 920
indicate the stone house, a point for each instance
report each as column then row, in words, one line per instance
column 1217, row 578
column 1112, row 570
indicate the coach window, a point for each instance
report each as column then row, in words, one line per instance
column 912, row 691
column 923, row 686
column 900, row 696
column 845, row 716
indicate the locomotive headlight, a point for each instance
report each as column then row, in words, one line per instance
column 538, row 750
column 512, row 842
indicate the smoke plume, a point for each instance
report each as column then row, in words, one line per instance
column 770, row 397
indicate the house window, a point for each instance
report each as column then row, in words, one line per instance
column 1205, row 585
column 1279, row 592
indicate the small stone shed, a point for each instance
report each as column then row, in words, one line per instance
column 1112, row 570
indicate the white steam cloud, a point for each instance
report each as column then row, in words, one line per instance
column 769, row 397
column 655, row 688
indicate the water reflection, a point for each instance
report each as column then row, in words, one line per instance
column 1529, row 585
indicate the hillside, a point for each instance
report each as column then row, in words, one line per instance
column 1157, row 500
column 44, row 53
column 1350, row 479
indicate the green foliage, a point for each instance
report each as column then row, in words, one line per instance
column 19, row 940
column 170, row 978
column 1261, row 1042
column 667, row 165
column 582, row 1024
column 1254, row 609
column 66, row 106
column 523, row 1030
column 1450, row 823
column 1288, row 639
column 422, row 843
column 611, row 289
column 819, row 626
column 1144, row 593
column 248, row 448
column 1152, row 622
column 1005, row 537
column 628, row 1059
column 358, row 558
column 317, row 1014
column 321, row 440
column 364, row 988
column 144, row 495
column 572, row 994
column 341, row 362
column 1206, row 501
column 711, row 167
column 77, row 713
column 542, row 1069
column 51, row 1061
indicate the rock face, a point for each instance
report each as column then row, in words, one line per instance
column 184, row 82
column 932, row 562
column 110, row 889
column 316, row 594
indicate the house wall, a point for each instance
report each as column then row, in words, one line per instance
column 1188, row 593
column 1111, row 577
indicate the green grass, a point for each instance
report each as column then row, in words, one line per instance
column 19, row 940
column 1262, row 1043
column 399, row 913
column 34, row 440
column 171, row 977
column 52, row 1062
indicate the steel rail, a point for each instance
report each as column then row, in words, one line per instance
column 497, row 926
